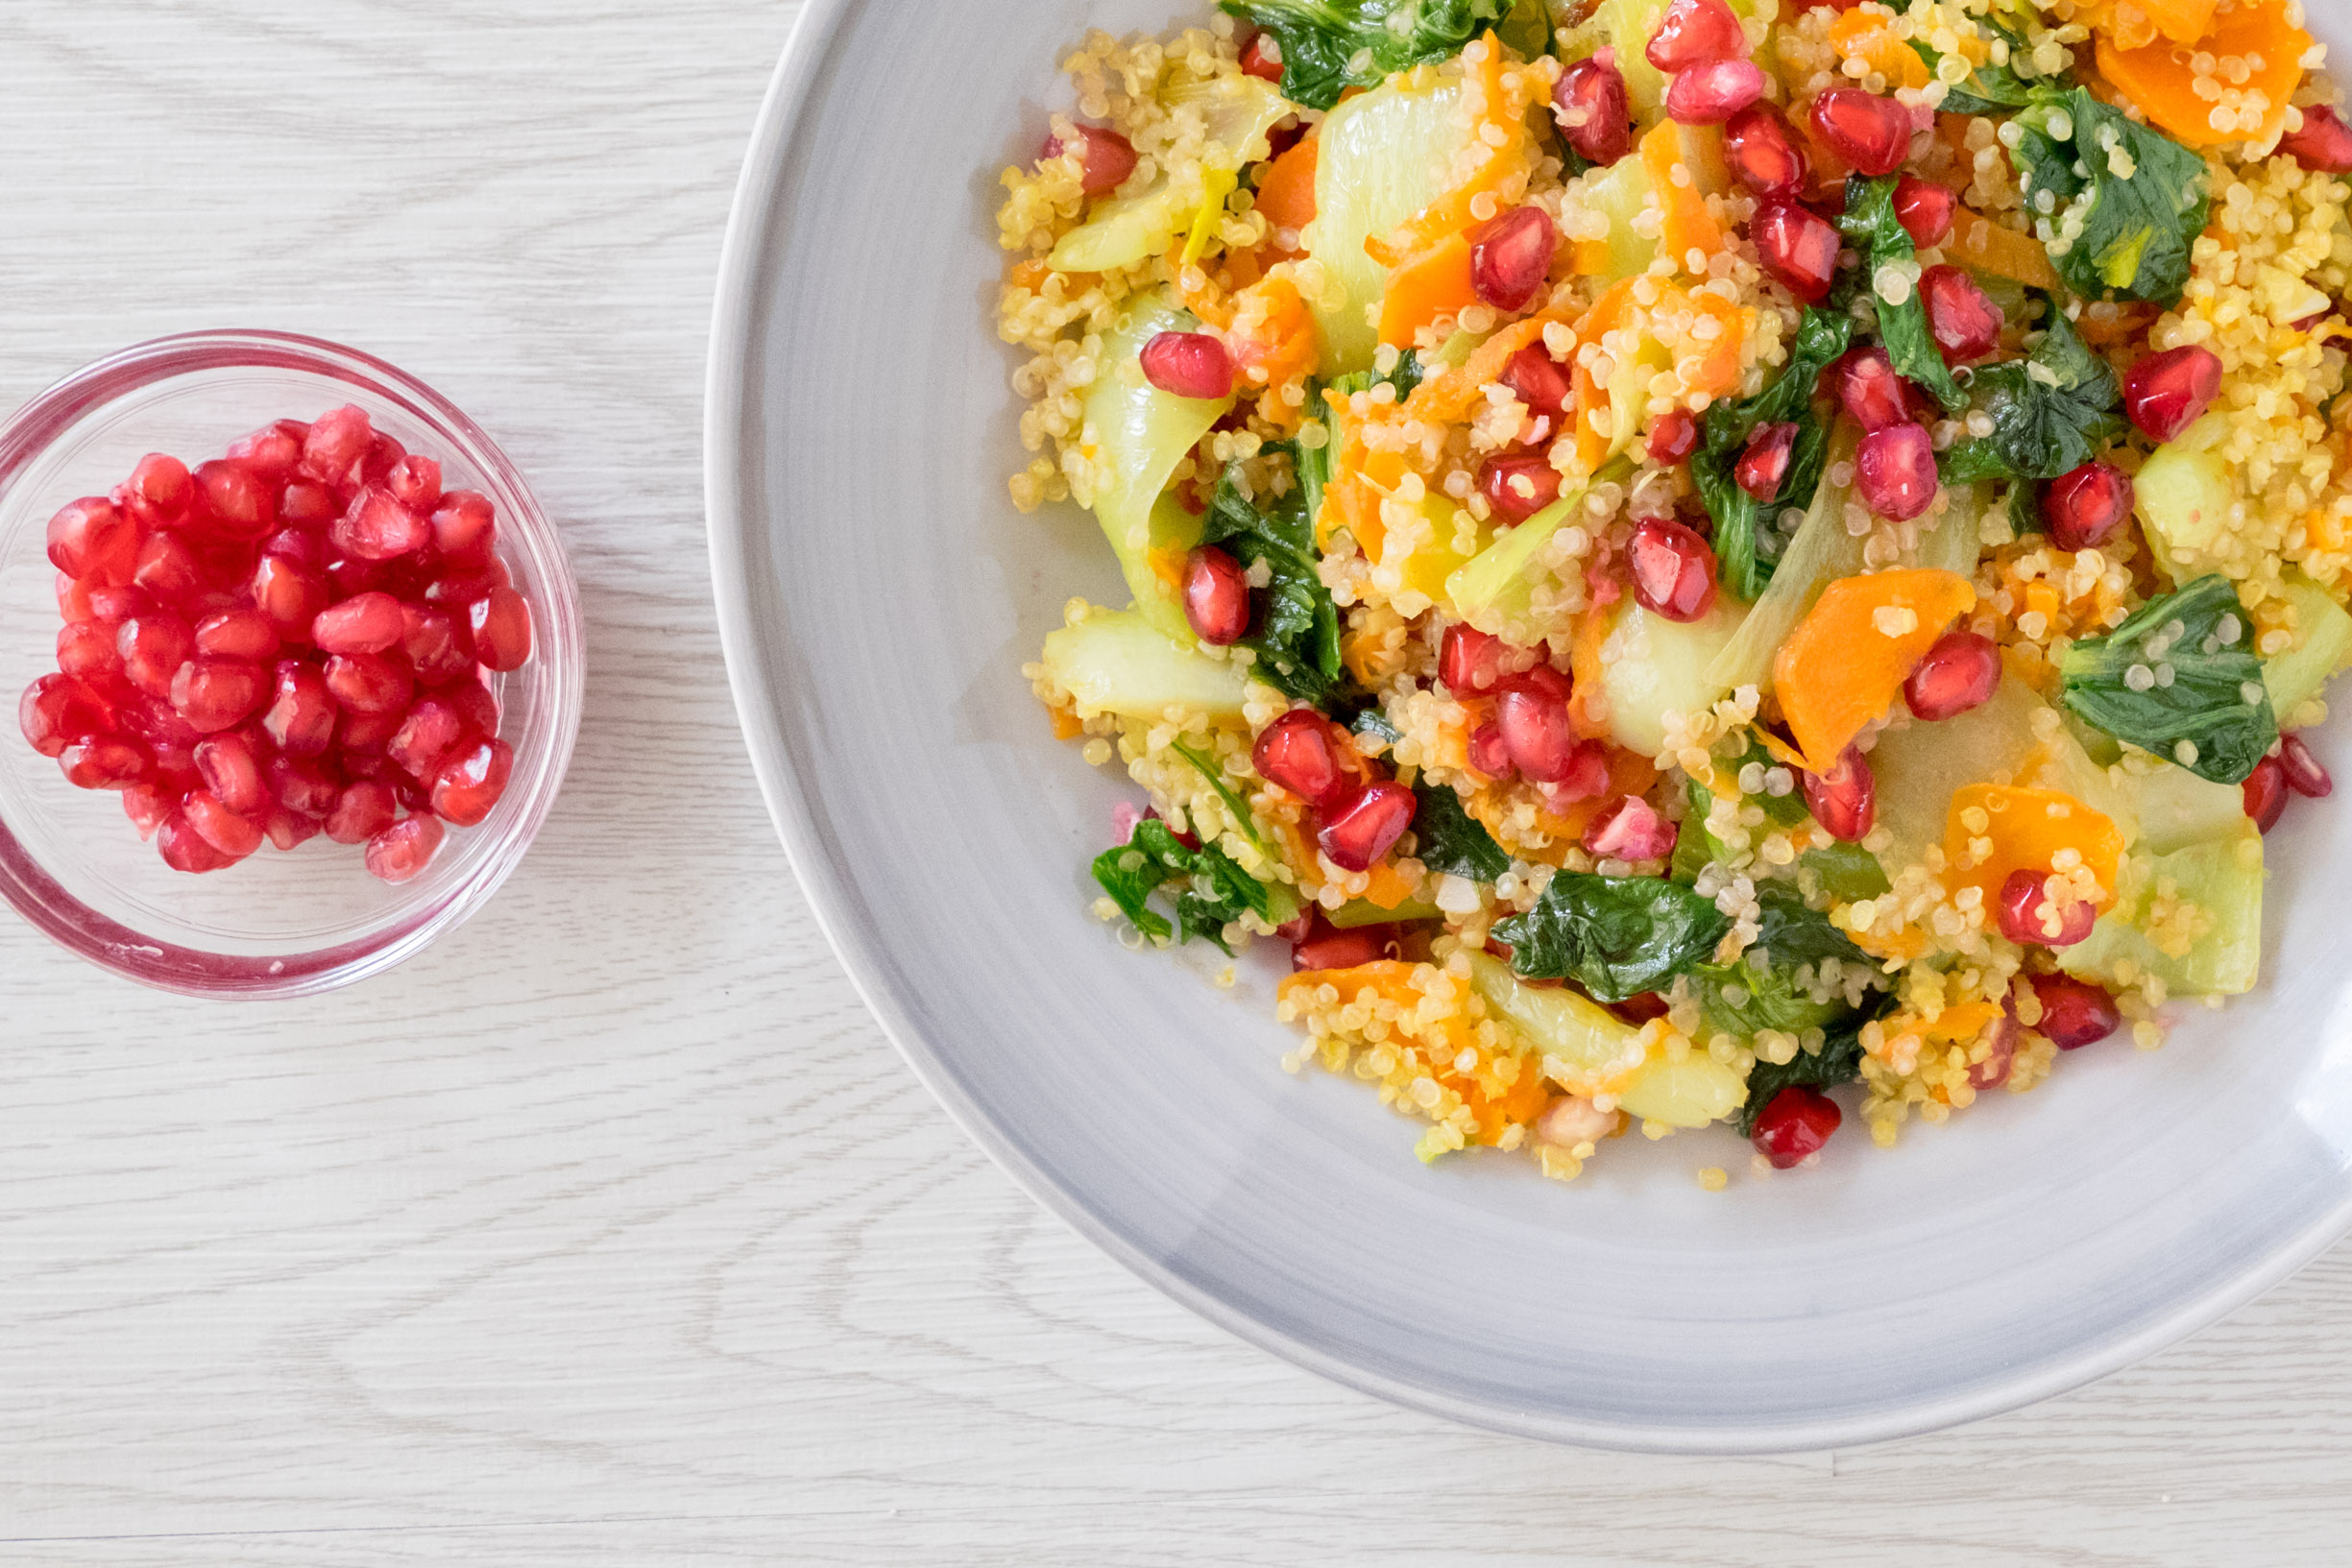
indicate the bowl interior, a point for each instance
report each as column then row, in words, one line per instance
column 880, row 595
column 275, row 921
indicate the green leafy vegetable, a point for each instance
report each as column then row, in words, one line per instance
column 1870, row 222
column 2180, row 679
column 1296, row 628
column 1847, row 872
column 2051, row 412
column 1989, row 89
column 1451, row 840
column 1212, row 890
column 1790, row 931
column 1405, row 376
column 2121, row 202
column 1370, row 723
column 1741, row 999
column 1840, row 1061
column 1224, row 792
column 1616, row 936
column 1331, row 45
column 1745, row 549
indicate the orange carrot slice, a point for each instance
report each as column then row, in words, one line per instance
column 1985, row 245
column 1842, row 666
column 1685, row 224
column 1429, row 288
column 2025, row 830
column 1286, row 186
column 2158, row 78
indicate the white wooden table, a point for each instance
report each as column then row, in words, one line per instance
column 612, row 1231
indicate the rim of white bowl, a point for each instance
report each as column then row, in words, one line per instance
column 782, row 787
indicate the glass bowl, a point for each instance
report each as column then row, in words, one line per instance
column 275, row 924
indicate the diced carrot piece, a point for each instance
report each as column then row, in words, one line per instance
column 1869, row 37
column 1843, row 666
column 1718, row 371
column 1447, row 397
column 1067, row 725
column 1286, row 186
column 1270, row 331
column 1985, row 245
column 2182, row 21
column 1607, row 314
column 1427, row 288
column 1587, row 673
column 1685, row 225
column 2026, row 829
column 2163, row 86
column 1388, row 887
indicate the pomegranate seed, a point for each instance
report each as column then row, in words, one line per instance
column 1104, row 157
column 2304, row 774
column 1894, row 470
column 2074, row 1013
column 233, row 773
column 270, row 452
column 1674, row 436
column 1262, row 58
column 1518, row 488
column 1924, row 210
column 105, row 762
column 148, row 806
column 291, row 598
column 184, row 849
column 1713, row 92
column 1958, row 673
column 166, row 569
column 2166, row 392
column 378, row 527
column 305, row 504
column 233, row 835
column 161, row 491
column 1487, row 751
column 1796, row 246
column 438, row 648
column 2025, row 917
column 1538, row 380
column 1329, row 949
column 1869, row 390
column 2266, row 793
column 1216, row 596
column 2322, row 142
column 2087, row 506
column 370, row 623
column 1673, row 570
column 1588, row 778
column 233, row 503
column 214, row 694
column 366, row 684
column 474, row 704
column 1595, row 115
column 501, row 626
column 1512, row 257
column 336, row 442
column 365, row 808
column 97, row 601
column 404, row 848
column 1469, row 661
column 1364, row 825
column 237, row 634
column 1538, row 734
column 1762, row 155
column 1692, row 32
column 1629, row 829
column 289, row 830
column 92, row 539
column 429, row 733
column 1296, row 752
column 2000, row 1056
column 1763, row 463
column 472, row 780
column 1871, row 132
column 154, row 720
column 303, row 787
column 1188, row 365
column 377, row 463
column 154, row 646
column 464, row 525
column 415, row 482
column 1794, row 1125
column 85, row 650
column 1962, row 318
column 1845, row 799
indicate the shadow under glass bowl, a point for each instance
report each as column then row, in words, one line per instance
column 275, row 923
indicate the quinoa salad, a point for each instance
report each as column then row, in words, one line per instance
column 1697, row 561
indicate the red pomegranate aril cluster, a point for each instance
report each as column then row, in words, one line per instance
column 1104, row 157
column 1959, row 672
column 1512, row 257
column 1189, row 365
column 1629, row 829
column 1763, row 463
column 2322, row 141
column 1762, row 155
column 1794, row 1125
column 289, row 640
column 2166, row 392
column 1799, row 246
column 1871, row 132
column 1961, row 317
column 1538, row 380
column 1845, row 799
column 2074, row 1013
column 1894, row 469
column 1694, row 32
column 1713, row 92
column 1924, row 210
column 1673, row 570
column 1869, row 390
column 1595, row 114
column 2087, row 506
column 1360, row 821
column 2026, row 915
column 1674, row 436
column 1216, row 598
column 1518, row 488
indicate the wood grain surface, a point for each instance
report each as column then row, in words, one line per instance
column 612, row 1231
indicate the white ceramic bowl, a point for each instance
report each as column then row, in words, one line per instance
column 879, row 594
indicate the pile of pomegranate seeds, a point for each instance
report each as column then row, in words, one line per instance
column 292, row 640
